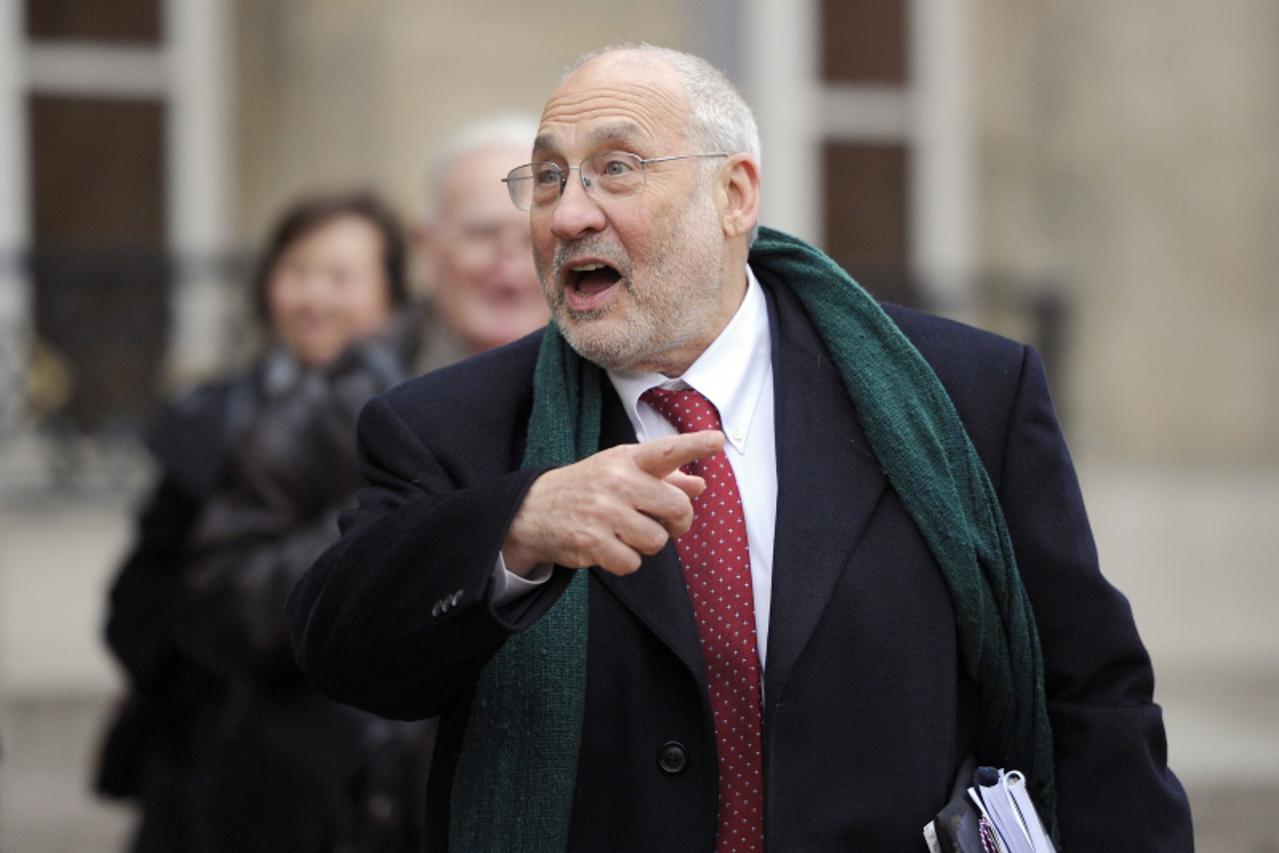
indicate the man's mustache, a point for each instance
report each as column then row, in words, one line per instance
column 600, row 248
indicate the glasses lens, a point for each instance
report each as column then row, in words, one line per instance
column 519, row 183
column 616, row 172
column 546, row 182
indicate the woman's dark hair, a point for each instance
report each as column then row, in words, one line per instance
column 312, row 212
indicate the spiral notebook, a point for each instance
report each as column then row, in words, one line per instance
column 992, row 815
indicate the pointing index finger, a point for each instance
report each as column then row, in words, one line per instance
column 661, row 456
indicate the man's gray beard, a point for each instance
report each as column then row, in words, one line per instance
column 669, row 309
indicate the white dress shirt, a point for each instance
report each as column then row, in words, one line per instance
column 736, row 374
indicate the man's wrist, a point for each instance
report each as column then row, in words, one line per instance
column 518, row 561
column 518, row 553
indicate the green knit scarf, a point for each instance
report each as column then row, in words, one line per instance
column 513, row 788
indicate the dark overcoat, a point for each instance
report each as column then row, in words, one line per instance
column 867, row 712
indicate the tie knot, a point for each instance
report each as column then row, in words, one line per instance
column 686, row 408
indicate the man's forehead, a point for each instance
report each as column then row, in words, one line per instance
column 484, row 161
column 614, row 131
column 624, row 98
column 474, row 179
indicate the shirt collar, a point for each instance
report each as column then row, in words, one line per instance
column 730, row 373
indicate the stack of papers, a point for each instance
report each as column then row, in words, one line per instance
column 996, row 816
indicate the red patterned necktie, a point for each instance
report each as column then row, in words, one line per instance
column 717, row 571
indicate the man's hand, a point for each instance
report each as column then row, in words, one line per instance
column 610, row 508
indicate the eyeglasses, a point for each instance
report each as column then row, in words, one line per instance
column 483, row 243
column 612, row 175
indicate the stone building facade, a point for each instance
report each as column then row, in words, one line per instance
column 1100, row 178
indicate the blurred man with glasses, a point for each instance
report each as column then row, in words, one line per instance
column 729, row 557
column 474, row 247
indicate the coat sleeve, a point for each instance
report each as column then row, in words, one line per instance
column 1115, row 790
column 137, row 628
column 187, row 441
column 395, row 618
column 273, row 512
column 228, row 612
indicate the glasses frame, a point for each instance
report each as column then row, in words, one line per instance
column 587, row 183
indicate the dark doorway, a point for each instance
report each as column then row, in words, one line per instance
column 99, row 266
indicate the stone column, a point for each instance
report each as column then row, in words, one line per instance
column 15, row 299
column 943, row 191
column 200, row 181
column 781, row 82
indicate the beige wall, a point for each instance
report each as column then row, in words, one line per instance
column 1130, row 151
column 332, row 92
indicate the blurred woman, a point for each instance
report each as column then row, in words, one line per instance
column 222, row 741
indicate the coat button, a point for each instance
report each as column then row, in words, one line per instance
column 673, row 758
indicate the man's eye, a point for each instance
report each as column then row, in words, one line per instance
column 616, row 167
column 547, row 174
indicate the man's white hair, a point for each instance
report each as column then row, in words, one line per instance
column 498, row 131
column 718, row 117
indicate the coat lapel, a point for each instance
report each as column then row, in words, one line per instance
column 829, row 483
column 656, row 594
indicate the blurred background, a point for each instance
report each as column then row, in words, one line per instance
column 1099, row 178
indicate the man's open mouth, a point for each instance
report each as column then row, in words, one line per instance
column 587, row 284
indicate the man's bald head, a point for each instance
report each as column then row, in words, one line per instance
column 719, row 119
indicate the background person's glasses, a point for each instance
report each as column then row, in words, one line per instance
column 612, row 174
column 482, row 244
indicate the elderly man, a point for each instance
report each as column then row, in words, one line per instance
column 727, row 558
column 474, row 247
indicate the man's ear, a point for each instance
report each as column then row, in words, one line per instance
column 425, row 237
column 739, row 195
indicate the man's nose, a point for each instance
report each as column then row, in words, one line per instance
column 514, row 242
column 576, row 212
